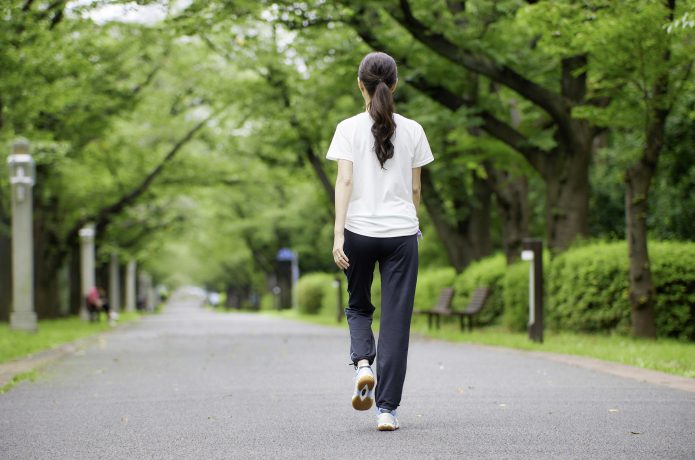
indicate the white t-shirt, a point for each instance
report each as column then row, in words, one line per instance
column 381, row 204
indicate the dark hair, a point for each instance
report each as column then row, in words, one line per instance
column 378, row 74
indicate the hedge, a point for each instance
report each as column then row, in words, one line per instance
column 588, row 288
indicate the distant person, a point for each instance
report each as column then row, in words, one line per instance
column 96, row 303
column 111, row 315
column 377, row 195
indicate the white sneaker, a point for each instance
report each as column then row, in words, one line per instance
column 363, row 397
column 386, row 420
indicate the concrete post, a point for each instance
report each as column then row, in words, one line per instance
column 114, row 283
column 87, row 234
column 22, row 175
column 130, row 299
column 145, row 290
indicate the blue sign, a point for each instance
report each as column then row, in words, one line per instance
column 285, row 255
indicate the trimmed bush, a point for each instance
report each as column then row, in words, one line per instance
column 588, row 289
column 674, row 277
column 311, row 291
column 486, row 272
column 430, row 283
column 516, row 296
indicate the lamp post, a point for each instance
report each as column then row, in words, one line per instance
column 87, row 234
column 22, row 179
column 533, row 253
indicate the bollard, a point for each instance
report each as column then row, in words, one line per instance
column 22, row 179
column 533, row 253
column 87, row 234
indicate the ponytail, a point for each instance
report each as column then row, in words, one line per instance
column 378, row 74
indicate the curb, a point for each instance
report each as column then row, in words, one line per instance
column 38, row 360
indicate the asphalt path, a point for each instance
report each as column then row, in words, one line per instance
column 191, row 383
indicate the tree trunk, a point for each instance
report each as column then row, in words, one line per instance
column 467, row 239
column 76, row 297
column 638, row 179
column 566, row 174
column 642, row 291
column 478, row 228
column 317, row 166
column 511, row 193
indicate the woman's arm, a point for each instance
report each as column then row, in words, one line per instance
column 416, row 187
column 343, row 191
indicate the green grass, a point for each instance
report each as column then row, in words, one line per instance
column 31, row 376
column 323, row 320
column 51, row 333
column 665, row 355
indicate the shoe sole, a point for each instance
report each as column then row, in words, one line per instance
column 362, row 400
column 387, row 427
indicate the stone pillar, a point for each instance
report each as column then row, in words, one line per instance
column 87, row 265
column 131, row 270
column 145, row 290
column 22, row 175
column 114, row 283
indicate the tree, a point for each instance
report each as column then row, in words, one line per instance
column 641, row 68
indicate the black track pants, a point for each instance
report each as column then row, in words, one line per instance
column 398, row 263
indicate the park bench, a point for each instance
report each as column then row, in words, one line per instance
column 443, row 307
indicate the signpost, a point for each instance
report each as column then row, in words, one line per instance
column 533, row 253
column 285, row 256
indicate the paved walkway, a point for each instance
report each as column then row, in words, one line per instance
column 190, row 383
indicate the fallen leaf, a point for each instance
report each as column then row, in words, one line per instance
column 635, row 432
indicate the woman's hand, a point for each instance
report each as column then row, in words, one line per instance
column 339, row 256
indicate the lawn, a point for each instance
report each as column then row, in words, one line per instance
column 665, row 355
column 51, row 333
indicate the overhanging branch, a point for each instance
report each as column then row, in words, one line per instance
column 553, row 103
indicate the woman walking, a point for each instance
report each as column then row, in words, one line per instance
column 377, row 194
